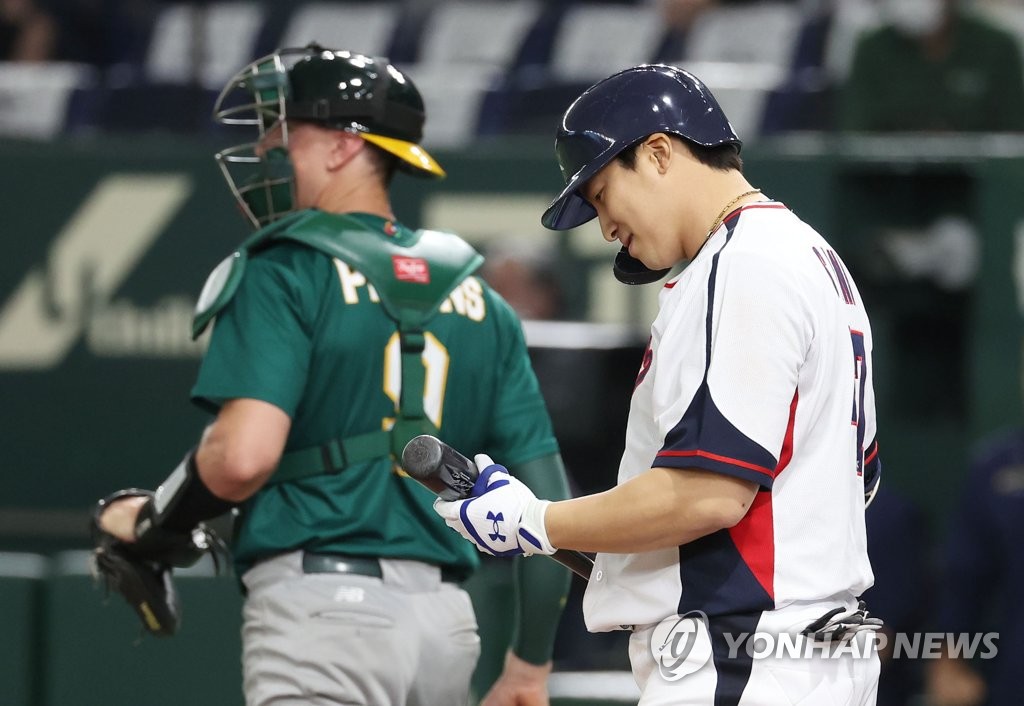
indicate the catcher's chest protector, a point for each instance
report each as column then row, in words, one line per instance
column 413, row 273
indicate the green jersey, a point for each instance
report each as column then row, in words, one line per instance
column 307, row 333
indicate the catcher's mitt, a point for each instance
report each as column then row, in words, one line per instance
column 142, row 571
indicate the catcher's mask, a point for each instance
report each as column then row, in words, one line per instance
column 616, row 113
column 364, row 95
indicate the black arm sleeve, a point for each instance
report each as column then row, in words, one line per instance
column 181, row 502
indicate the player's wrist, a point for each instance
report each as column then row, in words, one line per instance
column 519, row 667
column 532, row 527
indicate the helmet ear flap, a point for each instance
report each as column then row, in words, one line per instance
column 628, row 270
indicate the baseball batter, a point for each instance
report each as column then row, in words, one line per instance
column 339, row 334
column 750, row 446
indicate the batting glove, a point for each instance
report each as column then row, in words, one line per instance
column 503, row 518
column 838, row 625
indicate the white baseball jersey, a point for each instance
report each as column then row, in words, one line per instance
column 759, row 367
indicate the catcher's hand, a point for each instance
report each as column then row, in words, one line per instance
column 141, row 571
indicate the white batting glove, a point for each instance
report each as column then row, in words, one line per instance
column 503, row 518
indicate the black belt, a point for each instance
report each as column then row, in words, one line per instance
column 328, row 563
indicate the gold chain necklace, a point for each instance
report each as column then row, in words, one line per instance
column 721, row 214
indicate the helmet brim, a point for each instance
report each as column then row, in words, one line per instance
column 570, row 209
column 409, row 152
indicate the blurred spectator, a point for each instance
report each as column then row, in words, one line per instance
column 983, row 573
column 680, row 14
column 27, row 32
column 932, row 66
column 526, row 278
column 899, row 545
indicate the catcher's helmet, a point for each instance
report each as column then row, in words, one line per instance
column 617, row 112
column 339, row 89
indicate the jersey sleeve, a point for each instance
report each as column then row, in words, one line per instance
column 261, row 341
column 521, row 429
column 728, row 371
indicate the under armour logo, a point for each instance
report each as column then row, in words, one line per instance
column 496, row 533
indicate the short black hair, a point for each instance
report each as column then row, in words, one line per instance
column 723, row 157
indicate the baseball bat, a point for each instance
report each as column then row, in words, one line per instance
column 451, row 476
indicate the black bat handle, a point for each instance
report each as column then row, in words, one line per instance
column 439, row 467
column 451, row 475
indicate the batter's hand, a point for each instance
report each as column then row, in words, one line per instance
column 503, row 518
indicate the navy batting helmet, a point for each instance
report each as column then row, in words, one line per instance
column 617, row 112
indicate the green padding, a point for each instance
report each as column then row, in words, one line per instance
column 21, row 577
column 94, row 655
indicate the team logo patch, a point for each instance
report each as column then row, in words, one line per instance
column 411, row 269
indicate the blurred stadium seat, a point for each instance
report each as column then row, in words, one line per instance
column 453, row 96
column 596, row 40
column 485, row 67
column 757, row 33
column 140, row 107
column 466, row 49
column 849, row 21
column 743, row 53
column 365, row 27
column 477, row 33
column 34, row 98
column 570, row 46
column 204, row 44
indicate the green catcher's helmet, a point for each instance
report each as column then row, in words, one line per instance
column 360, row 94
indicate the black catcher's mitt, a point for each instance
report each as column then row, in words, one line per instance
column 142, row 571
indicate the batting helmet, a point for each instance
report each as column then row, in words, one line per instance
column 614, row 114
column 364, row 95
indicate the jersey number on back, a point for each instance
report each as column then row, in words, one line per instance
column 435, row 362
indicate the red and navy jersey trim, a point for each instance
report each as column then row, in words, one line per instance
column 703, row 437
column 717, row 578
column 751, row 206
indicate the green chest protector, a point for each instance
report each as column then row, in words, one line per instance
column 412, row 272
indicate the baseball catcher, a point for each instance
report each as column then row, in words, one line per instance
column 341, row 333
